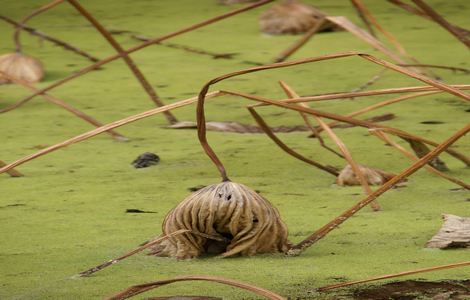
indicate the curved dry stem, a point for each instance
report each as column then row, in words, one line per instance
column 117, row 136
column 378, row 133
column 323, row 231
column 16, row 34
column 107, row 127
column 138, row 289
column 437, row 268
column 200, row 114
column 127, row 59
column 136, row 48
column 265, row 127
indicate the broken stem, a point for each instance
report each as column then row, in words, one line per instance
column 104, row 128
column 136, row 48
column 16, row 34
column 378, row 133
column 333, row 224
column 46, row 37
column 137, row 250
column 117, row 136
column 11, row 172
column 437, row 268
column 347, row 155
column 127, row 59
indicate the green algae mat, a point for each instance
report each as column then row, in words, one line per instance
column 68, row 213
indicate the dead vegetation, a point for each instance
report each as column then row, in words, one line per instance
column 229, row 218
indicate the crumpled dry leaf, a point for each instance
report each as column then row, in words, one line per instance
column 454, row 233
column 246, row 223
column 20, row 66
column 373, row 176
column 292, row 17
column 235, row 127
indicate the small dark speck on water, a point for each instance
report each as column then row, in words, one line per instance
column 432, row 122
column 139, row 211
column 196, row 188
column 146, row 160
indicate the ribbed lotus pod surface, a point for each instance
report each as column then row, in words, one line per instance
column 244, row 221
column 20, row 66
column 373, row 176
column 292, row 17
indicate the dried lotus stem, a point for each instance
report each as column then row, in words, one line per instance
column 362, row 123
column 385, row 138
column 16, row 34
column 104, row 128
column 437, row 268
column 11, row 172
column 459, row 34
column 247, row 221
column 315, row 131
column 117, row 136
column 265, row 127
column 136, row 48
column 137, row 250
column 138, row 289
column 304, row 39
column 51, row 39
column 201, row 120
column 347, row 155
column 323, row 231
column 127, row 59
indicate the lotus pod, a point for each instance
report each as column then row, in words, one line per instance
column 244, row 221
column 292, row 17
column 20, row 66
column 373, row 176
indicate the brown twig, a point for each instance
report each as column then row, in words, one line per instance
column 53, row 40
column 104, row 128
column 378, row 133
column 11, row 172
column 127, row 59
column 200, row 114
column 370, row 82
column 392, row 39
column 138, row 289
column 304, row 39
column 454, row 69
column 117, row 136
column 347, row 95
column 137, row 250
column 323, row 231
column 136, row 48
column 188, row 49
column 438, row 268
column 347, row 155
column 413, row 10
column 443, row 22
column 265, row 127
column 360, row 12
column 315, row 131
column 345, row 119
column 16, row 34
